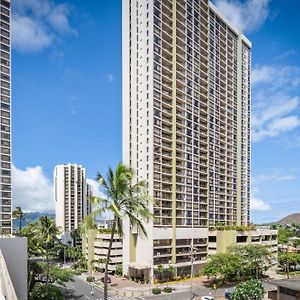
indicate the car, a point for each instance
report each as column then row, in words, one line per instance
column 207, row 298
column 108, row 279
column 227, row 295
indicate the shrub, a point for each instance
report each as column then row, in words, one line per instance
column 167, row 290
column 90, row 279
column 251, row 289
column 46, row 292
column 119, row 270
column 156, row 291
column 61, row 275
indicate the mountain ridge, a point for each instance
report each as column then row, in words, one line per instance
column 293, row 218
column 31, row 217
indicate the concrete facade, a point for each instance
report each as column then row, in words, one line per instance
column 95, row 246
column 220, row 240
column 70, row 196
column 186, row 126
column 5, row 121
column 14, row 251
column 287, row 289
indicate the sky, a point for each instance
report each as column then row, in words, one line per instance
column 67, row 80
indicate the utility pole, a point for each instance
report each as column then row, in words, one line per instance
column 287, row 262
column 64, row 255
column 192, row 269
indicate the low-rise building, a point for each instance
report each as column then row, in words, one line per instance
column 287, row 289
column 95, row 246
column 220, row 240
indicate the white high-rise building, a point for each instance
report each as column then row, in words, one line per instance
column 5, row 120
column 186, row 126
column 70, row 193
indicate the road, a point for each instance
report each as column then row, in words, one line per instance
column 185, row 295
column 81, row 290
column 198, row 291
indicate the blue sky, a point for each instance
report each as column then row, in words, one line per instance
column 67, row 95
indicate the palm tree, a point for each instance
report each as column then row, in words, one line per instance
column 34, row 242
column 75, row 235
column 123, row 200
column 18, row 214
column 48, row 232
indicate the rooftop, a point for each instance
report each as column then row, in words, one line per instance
column 293, row 284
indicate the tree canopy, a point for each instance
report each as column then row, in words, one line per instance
column 240, row 262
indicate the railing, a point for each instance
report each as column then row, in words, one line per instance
column 7, row 290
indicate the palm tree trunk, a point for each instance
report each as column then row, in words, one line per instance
column 107, row 258
column 47, row 262
column 20, row 225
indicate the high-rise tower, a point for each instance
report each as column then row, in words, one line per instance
column 70, row 193
column 186, row 125
column 5, row 120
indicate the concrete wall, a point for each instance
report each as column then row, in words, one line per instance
column 14, row 250
column 95, row 246
column 281, row 296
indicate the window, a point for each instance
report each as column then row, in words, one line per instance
column 4, row 18
column 5, row 3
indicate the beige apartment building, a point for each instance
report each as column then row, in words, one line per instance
column 95, row 246
column 186, row 126
column 5, row 120
column 220, row 240
column 71, row 194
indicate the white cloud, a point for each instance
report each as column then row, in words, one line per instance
column 259, row 205
column 32, row 190
column 276, row 75
column 275, row 119
column 97, row 192
column 37, row 23
column 248, row 16
column 274, row 177
column 95, row 187
column 256, row 203
column 275, row 100
column 58, row 18
column 28, row 35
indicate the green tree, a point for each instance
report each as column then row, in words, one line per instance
column 283, row 235
column 119, row 270
column 170, row 273
column 256, row 258
column 252, row 289
column 296, row 243
column 48, row 232
column 288, row 261
column 34, row 269
column 123, row 200
column 18, row 214
column 224, row 266
column 46, row 292
column 160, row 270
column 34, row 241
column 60, row 275
column 75, row 235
